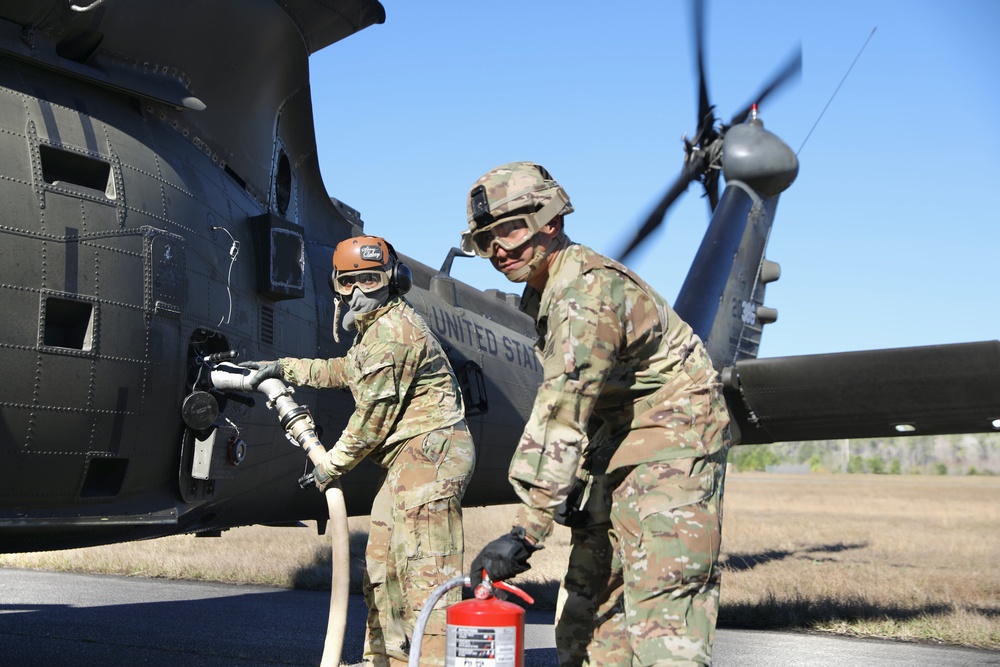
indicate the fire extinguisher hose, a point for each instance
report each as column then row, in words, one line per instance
column 425, row 614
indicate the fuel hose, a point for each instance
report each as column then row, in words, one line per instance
column 300, row 427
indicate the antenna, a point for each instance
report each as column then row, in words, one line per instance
column 872, row 34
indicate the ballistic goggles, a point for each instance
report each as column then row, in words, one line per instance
column 366, row 281
column 512, row 231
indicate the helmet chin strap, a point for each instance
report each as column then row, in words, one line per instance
column 528, row 270
column 336, row 319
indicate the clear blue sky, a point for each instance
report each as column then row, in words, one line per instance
column 890, row 237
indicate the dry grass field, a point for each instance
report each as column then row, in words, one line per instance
column 909, row 557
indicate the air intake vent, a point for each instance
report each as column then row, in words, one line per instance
column 61, row 167
column 267, row 325
column 104, row 477
column 67, row 324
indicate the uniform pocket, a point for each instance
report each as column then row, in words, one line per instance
column 434, row 446
column 378, row 382
column 671, row 491
column 432, row 508
column 435, row 525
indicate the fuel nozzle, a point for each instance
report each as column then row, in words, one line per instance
column 300, row 428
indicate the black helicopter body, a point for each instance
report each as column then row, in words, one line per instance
column 163, row 208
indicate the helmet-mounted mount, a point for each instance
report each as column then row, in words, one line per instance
column 480, row 206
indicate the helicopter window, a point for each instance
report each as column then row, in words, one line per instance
column 283, row 184
column 61, row 167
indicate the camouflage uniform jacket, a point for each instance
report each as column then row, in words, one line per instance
column 402, row 383
column 619, row 364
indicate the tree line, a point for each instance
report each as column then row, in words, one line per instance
column 964, row 454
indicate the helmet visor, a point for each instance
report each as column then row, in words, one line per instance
column 366, row 281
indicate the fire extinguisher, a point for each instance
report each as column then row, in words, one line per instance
column 485, row 631
column 481, row 632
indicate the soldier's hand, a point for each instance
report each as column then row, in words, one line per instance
column 265, row 370
column 503, row 558
column 573, row 512
column 321, row 478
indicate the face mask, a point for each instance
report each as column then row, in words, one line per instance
column 361, row 303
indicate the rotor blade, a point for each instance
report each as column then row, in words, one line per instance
column 655, row 218
column 866, row 394
column 791, row 70
column 704, row 106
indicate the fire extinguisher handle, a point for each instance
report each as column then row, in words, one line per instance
column 510, row 588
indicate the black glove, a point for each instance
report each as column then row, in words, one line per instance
column 503, row 558
column 572, row 513
column 265, row 371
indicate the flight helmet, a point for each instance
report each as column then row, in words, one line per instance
column 368, row 263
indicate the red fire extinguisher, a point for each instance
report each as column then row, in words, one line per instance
column 485, row 631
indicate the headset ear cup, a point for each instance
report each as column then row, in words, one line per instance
column 402, row 278
column 332, row 281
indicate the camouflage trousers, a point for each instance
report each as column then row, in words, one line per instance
column 586, row 579
column 643, row 589
column 415, row 544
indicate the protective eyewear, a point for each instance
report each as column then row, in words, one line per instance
column 508, row 233
column 513, row 230
column 366, row 281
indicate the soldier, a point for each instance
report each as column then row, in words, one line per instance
column 626, row 443
column 408, row 419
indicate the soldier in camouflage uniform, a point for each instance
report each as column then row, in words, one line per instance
column 410, row 420
column 626, row 443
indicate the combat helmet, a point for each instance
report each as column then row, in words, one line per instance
column 509, row 204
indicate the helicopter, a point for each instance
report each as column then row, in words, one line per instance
column 164, row 212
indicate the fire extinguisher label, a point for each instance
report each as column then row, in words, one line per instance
column 481, row 647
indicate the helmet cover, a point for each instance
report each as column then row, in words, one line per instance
column 510, row 188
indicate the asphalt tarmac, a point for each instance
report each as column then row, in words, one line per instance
column 49, row 618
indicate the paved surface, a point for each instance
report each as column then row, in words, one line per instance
column 49, row 618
